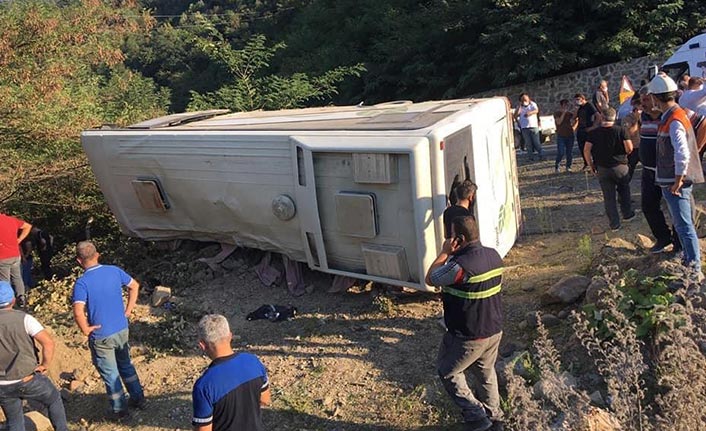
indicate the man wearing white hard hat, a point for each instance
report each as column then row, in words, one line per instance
column 678, row 164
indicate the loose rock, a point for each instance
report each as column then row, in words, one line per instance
column 644, row 242
column 600, row 420
column 161, row 295
column 567, row 290
column 595, row 290
column 550, row 320
column 620, row 244
column 74, row 385
column 597, row 399
column 37, row 421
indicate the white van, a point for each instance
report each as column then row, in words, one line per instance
column 352, row 191
column 689, row 59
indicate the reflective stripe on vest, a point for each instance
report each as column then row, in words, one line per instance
column 484, row 276
column 483, row 294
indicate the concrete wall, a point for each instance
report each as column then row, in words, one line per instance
column 548, row 92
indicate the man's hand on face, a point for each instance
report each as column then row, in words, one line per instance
column 450, row 246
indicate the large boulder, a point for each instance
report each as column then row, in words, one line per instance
column 567, row 290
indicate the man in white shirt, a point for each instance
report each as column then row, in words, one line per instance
column 527, row 115
column 21, row 376
column 694, row 98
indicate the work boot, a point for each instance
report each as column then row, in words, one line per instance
column 140, row 404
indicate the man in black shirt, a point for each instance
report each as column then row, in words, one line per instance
column 465, row 193
column 470, row 276
column 584, row 116
column 606, row 151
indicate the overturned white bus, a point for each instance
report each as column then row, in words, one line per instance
column 352, row 191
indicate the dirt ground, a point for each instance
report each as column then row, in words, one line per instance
column 362, row 360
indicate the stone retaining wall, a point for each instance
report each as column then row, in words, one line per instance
column 548, row 92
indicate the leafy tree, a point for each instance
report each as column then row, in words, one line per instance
column 250, row 87
column 50, row 88
column 62, row 71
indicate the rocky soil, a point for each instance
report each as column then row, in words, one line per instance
column 361, row 360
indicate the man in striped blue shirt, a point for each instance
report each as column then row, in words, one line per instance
column 470, row 276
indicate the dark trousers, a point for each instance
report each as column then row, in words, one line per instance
column 455, row 357
column 633, row 158
column 615, row 182
column 45, row 259
column 581, row 136
column 652, row 207
column 40, row 389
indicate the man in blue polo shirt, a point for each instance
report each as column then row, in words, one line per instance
column 101, row 315
column 228, row 395
column 470, row 276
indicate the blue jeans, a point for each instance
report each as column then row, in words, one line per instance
column 680, row 211
column 40, row 389
column 531, row 138
column 564, row 145
column 111, row 357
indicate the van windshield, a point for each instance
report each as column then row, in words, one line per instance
column 676, row 70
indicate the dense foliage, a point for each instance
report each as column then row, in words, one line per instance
column 432, row 49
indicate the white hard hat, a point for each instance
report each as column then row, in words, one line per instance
column 661, row 84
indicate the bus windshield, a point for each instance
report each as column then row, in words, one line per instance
column 676, row 70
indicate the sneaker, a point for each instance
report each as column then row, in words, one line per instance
column 478, row 425
column 615, row 229
column 660, row 247
column 140, row 404
column 630, row 217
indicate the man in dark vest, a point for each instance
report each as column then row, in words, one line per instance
column 22, row 377
column 470, row 276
